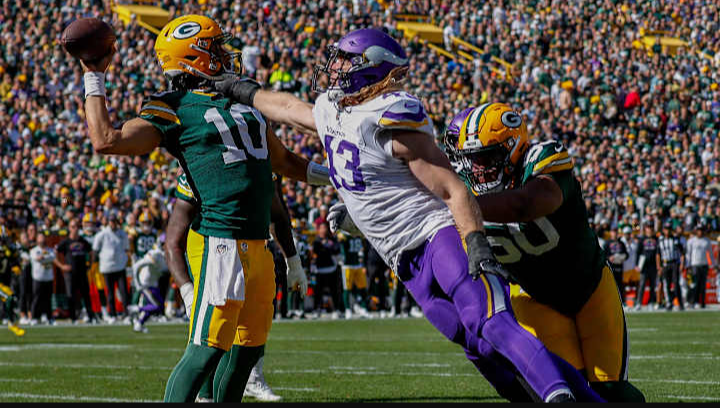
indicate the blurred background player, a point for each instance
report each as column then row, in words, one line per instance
column 378, row 272
column 354, row 278
column 10, row 272
column 9, row 301
column 147, row 271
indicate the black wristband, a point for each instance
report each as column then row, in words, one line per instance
column 477, row 240
column 244, row 91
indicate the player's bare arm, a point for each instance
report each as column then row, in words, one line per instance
column 282, row 231
column 293, row 166
column 286, row 108
column 281, row 107
column 176, row 240
column 430, row 165
column 539, row 197
column 135, row 137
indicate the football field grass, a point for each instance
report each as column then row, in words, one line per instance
column 674, row 357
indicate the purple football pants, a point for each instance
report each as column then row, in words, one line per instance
column 477, row 315
column 152, row 303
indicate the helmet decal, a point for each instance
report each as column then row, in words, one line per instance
column 186, row 30
column 511, row 119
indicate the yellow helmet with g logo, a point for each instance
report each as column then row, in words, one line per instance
column 193, row 44
column 491, row 141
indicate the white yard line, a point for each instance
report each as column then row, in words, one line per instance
column 21, row 380
column 67, row 397
column 369, row 372
column 676, row 381
column 689, row 397
column 103, row 366
column 110, row 377
column 47, row 346
column 295, row 389
column 676, row 357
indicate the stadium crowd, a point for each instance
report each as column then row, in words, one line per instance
column 642, row 125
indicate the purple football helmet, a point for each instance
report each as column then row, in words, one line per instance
column 372, row 55
column 460, row 163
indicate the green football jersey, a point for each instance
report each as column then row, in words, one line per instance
column 143, row 243
column 222, row 147
column 557, row 259
column 351, row 249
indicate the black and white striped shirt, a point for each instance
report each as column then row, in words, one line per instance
column 670, row 248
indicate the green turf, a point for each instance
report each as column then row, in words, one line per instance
column 674, row 357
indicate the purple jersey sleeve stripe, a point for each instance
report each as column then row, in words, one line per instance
column 419, row 116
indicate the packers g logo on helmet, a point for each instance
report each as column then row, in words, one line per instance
column 193, row 44
column 491, row 141
column 186, row 30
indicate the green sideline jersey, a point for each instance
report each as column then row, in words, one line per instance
column 556, row 259
column 351, row 249
column 222, row 147
column 143, row 243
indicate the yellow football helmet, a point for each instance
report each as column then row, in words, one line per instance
column 491, row 141
column 193, row 44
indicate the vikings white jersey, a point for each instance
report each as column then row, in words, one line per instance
column 388, row 204
column 148, row 269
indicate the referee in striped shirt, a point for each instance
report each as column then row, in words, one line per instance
column 671, row 258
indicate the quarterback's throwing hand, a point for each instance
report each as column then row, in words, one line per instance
column 239, row 90
column 480, row 257
column 340, row 220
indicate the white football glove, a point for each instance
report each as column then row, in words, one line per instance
column 340, row 220
column 186, row 292
column 296, row 275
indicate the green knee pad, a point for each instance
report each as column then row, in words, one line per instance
column 233, row 371
column 618, row 391
column 188, row 375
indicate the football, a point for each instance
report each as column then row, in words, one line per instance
column 88, row 38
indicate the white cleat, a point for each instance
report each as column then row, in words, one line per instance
column 261, row 390
column 416, row 312
column 203, row 400
column 139, row 327
column 348, row 314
